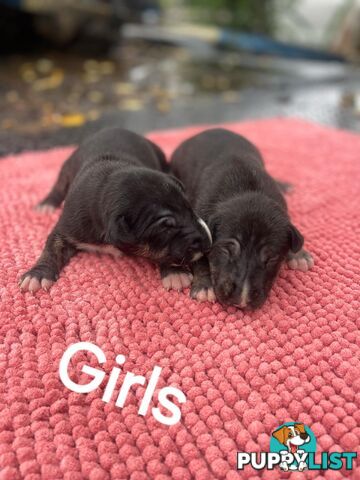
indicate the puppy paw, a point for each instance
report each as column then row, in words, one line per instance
column 302, row 261
column 34, row 280
column 45, row 208
column 177, row 281
column 203, row 294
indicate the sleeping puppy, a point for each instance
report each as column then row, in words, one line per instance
column 243, row 206
column 119, row 198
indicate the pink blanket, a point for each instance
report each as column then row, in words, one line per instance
column 295, row 359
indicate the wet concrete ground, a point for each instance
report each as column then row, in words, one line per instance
column 56, row 98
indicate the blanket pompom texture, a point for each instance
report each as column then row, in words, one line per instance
column 244, row 374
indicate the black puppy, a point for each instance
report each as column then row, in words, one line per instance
column 242, row 204
column 119, row 198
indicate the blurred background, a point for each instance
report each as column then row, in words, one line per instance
column 70, row 67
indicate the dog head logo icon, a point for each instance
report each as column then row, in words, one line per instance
column 292, row 436
column 295, row 439
column 293, row 448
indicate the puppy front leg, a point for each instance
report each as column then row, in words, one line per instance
column 56, row 254
column 175, row 278
column 202, row 289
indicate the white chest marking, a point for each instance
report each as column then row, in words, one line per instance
column 244, row 298
column 108, row 249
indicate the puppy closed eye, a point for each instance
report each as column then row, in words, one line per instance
column 268, row 258
column 166, row 222
column 229, row 248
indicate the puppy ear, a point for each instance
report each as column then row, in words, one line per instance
column 296, row 240
column 178, row 183
column 118, row 231
column 280, row 435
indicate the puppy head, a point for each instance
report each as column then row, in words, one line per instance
column 252, row 236
column 151, row 217
column 292, row 436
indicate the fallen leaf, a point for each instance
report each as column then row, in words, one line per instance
column 7, row 123
column 131, row 104
column 91, row 65
column 163, row 106
column 95, row 96
column 107, row 67
column 28, row 75
column 72, row 120
column 49, row 83
column 124, row 88
column 91, row 77
column 44, row 66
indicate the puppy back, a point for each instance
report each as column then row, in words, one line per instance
column 118, row 143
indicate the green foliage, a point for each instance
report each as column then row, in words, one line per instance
column 249, row 15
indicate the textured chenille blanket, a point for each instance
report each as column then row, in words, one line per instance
column 297, row 359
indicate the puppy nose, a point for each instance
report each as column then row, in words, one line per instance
column 304, row 436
